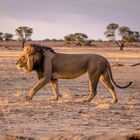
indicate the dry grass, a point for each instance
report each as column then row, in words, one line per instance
column 70, row 118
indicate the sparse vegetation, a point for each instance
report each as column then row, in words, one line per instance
column 1, row 36
column 24, row 33
column 77, row 39
column 7, row 37
column 125, row 34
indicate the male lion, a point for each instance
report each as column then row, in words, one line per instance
column 51, row 66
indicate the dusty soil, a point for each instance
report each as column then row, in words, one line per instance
column 70, row 118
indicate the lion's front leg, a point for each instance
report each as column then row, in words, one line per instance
column 55, row 87
column 42, row 82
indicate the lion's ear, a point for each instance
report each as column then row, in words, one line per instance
column 29, row 49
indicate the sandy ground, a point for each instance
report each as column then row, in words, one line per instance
column 70, row 118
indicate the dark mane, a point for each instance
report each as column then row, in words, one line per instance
column 41, row 48
column 38, row 65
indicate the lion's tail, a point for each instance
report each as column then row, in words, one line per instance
column 108, row 67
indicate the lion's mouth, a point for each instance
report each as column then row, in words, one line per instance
column 19, row 67
column 22, row 69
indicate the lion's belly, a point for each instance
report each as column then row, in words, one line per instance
column 67, row 75
column 69, row 66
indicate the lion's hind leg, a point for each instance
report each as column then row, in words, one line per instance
column 105, row 79
column 93, row 82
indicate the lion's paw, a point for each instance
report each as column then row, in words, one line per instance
column 28, row 97
column 54, row 99
column 114, row 101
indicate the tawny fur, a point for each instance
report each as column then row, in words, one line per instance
column 51, row 66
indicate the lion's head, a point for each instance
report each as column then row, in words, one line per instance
column 32, row 58
column 26, row 61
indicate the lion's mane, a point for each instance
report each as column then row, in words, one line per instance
column 35, row 57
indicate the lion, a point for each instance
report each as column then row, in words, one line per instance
column 51, row 66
